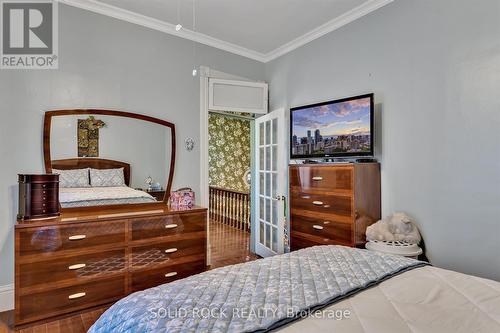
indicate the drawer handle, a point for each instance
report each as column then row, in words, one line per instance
column 77, row 295
column 318, row 203
column 77, row 266
column 171, row 226
column 172, row 250
column 317, row 178
column 317, row 227
column 77, row 237
column 170, row 274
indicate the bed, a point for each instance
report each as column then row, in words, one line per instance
column 99, row 196
column 318, row 289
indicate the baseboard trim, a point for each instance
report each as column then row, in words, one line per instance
column 6, row 297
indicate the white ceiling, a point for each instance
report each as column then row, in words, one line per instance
column 259, row 29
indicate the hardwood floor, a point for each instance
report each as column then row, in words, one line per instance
column 228, row 246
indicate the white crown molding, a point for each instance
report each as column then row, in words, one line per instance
column 332, row 25
column 169, row 28
column 6, row 297
column 155, row 24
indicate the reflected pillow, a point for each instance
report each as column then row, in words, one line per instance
column 73, row 178
column 107, row 177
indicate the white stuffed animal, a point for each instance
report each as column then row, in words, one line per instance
column 396, row 227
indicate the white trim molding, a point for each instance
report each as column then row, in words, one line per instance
column 169, row 28
column 6, row 297
column 332, row 25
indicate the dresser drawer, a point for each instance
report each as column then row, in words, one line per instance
column 329, row 204
column 144, row 228
column 340, row 233
column 42, row 186
column 166, row 252
column 322, row 178
column 68, row 237
column 299, row 241
column 44, row 195
column 65, row 300
column 40, row 208
column 154, row 277
column 75, row 268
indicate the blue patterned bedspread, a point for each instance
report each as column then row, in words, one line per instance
column 256, row 296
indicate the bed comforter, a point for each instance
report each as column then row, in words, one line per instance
column 256, row 296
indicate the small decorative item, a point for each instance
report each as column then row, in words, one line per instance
column 88, row 136
column 182, row 198
column 189, row 143
column 149, row 182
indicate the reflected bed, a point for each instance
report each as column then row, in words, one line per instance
column 101, row 196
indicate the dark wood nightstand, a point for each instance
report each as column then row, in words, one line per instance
column 158, row 195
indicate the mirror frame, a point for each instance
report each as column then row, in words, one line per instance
column 76, row 112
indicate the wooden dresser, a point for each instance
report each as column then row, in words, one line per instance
column 90, row 257
column 333, row 203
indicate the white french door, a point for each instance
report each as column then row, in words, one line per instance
column 269, row 195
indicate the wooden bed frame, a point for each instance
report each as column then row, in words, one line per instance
column 90, row 162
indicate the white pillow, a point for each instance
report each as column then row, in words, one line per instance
column 73, row 178
column 107, row 177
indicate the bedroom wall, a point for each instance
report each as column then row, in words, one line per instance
column 435, row 69
column 104, row 63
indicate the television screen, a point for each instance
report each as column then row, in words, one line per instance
column 339, row 128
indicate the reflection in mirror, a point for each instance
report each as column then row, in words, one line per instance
column 109, row 160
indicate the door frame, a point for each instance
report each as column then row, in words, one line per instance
column 205, row 74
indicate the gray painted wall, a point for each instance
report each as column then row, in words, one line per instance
column 435, row 69
column 109, row 64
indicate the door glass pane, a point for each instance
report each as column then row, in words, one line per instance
column 262, row 176
column 275, row 184
column 261, row 158
column 275, row 212
column 275, row 131
column 268, row 184
column 275, row 239
column 261, row 233
column 268, row 132
column 261, row 208
column 268, row 158
column 275, row 158
column 261, row 134
column 268, row 210
column 268, row 236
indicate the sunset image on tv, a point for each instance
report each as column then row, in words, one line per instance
column 332, row 129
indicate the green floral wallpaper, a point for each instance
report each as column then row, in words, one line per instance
column 229, row 152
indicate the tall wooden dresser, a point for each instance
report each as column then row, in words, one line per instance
column 86, row 258
column 333, row 203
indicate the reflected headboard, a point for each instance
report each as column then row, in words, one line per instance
column 94, row 163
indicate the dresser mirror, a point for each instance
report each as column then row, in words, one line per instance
column 108, row 157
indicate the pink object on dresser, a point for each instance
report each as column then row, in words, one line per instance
column 183, row 197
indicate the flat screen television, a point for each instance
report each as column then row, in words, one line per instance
column 334, row 129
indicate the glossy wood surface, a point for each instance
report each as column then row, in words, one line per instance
column 67, row 263
column 228, row 246
column 38, row 196
column 51, row 239
column 333, row 203
column 47, row 134
column 144, row 228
